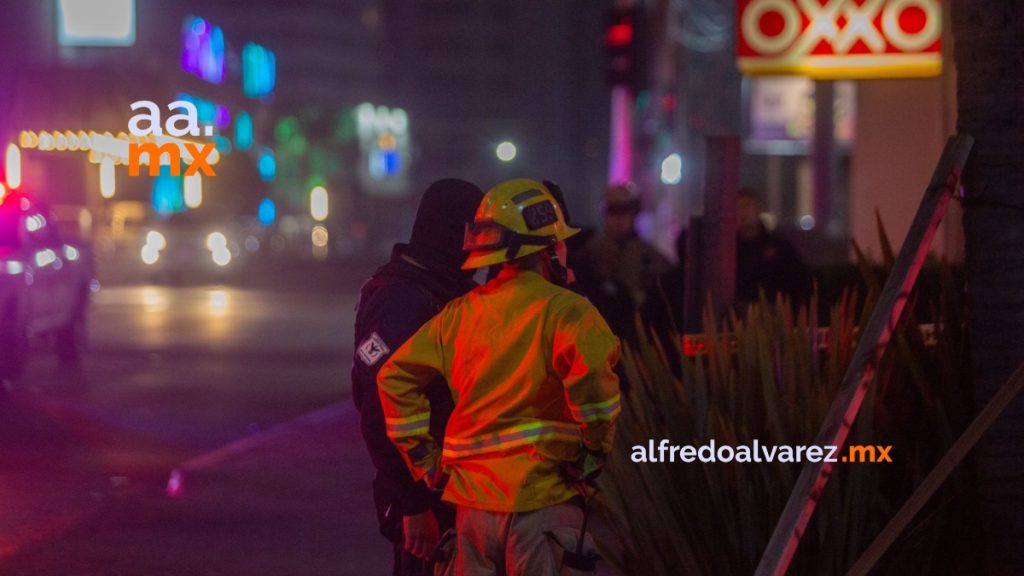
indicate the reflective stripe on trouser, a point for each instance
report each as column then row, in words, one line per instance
column 515, row 543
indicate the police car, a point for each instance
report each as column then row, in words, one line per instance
column 45, row 282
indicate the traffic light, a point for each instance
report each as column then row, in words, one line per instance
column 620, row 41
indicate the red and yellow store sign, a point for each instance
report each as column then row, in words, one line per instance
column 833, row 39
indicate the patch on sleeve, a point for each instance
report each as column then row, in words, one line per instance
column 373, row 349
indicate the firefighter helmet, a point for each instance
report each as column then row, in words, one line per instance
column 621, row 199
column 516, row 218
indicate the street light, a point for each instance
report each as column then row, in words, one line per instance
column 672, row 169
column 506, row 151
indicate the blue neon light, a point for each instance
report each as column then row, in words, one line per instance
column 267, row 165
column 267, row 212
column 243, row 131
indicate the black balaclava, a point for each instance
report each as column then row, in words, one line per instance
column 437, row 234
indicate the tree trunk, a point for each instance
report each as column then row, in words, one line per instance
column 989, row 56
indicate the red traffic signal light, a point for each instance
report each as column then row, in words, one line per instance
column 619, row 34
column 620, row 40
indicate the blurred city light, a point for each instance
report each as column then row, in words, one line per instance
column 45, row 258
column 399, row 121
column 156, row 240
column 267, row 212
column 3, row 192
column 506, row 151
column 150, row 254
column 215, row 241
column 155, row 299
column 203, row 50
column 243, row 131
column 12, row 162
column 108, row 181
column 217, row 244
column 167, row 193
column 96, row 22
column 218, row 301
column 222, row 144
column 175, row 484
column 318, row 203
column 71, row 253
column 807, row 222
column 319, row 236
column 221, row 257
column 672, row 169
column 34, row 223
column 259, row 70
column 193, row 190
column 365, row 114
column 267, row 165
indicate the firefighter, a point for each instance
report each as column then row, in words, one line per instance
column 420, row 278
column 530, row 366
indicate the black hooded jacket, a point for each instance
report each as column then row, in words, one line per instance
column 398, row 299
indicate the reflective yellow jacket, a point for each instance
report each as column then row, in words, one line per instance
column 529, row 365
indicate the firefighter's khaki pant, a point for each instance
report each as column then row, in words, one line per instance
column 515, row 543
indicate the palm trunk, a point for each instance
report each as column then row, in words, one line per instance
column 989, row 55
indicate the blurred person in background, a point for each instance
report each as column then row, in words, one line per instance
column 403, row 294
column 617, row 267
column 764, row 259
column 663, row 306
column 530, row 365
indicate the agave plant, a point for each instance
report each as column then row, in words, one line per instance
column 764, row 376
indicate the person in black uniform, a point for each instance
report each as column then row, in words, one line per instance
column 419, row 279
column 764, row 259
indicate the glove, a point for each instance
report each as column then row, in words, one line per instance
column 585, row 468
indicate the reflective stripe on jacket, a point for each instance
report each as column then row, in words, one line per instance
column 530, row 366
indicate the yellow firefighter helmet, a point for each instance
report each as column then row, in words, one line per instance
column 516, row 218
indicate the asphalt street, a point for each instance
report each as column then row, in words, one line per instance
column 243, row 392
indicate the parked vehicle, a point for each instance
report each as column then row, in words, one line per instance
column 45, row 282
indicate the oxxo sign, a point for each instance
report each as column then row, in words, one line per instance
column 832, row 39
column 198, row 158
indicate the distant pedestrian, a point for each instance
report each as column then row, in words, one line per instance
column 764, row 259
column 530, row 365
column 663, row 307
column 618, row 267
column 416, row 283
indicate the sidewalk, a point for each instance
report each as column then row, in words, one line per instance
column 295, row 500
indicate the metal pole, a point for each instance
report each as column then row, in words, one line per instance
column 870, row 347
column 823, row 155
column 721, row 182
column 938, row 475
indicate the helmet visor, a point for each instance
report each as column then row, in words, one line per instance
column 485, row 235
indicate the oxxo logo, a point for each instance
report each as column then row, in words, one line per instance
column 146, row 123
column 787, row 31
